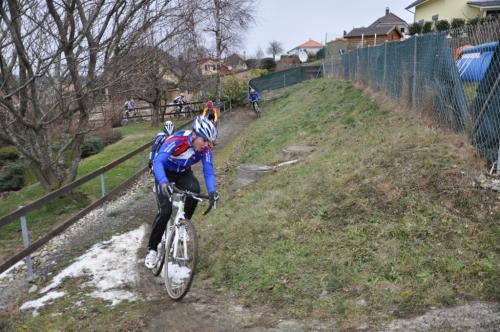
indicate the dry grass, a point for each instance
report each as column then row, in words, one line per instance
column 385, row 212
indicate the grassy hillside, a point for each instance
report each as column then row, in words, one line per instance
column 382, row 221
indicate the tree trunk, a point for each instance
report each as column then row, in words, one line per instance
column 155, row 118
column 156, row 103
column 40, row 157
column 162, row 112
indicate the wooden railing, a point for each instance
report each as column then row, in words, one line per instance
column 20, row 214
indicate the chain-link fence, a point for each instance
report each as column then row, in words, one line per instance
column 454, row 77
column 284, row 78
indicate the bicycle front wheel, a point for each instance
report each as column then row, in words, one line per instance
column 181, row 259
column 256, row 108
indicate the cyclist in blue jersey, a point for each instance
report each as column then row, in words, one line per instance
column 253, row 96
column 173, row 164
column 254, row 100
column 168, row 130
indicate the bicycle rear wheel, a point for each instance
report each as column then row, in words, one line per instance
column 181, row 261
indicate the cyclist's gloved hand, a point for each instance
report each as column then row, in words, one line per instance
column 150, row 164
column 214, row 197
column 167, row 189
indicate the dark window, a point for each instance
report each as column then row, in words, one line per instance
column 493, row 13
column 402, row 30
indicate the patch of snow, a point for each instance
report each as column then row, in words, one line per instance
column 114, row 296
column 110, row 266
column 37, row 304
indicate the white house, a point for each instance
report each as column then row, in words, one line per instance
column 310, row 47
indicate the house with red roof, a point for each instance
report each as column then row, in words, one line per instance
column 310, row 47
column 208, row 66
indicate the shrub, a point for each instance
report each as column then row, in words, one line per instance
column 91, row 146
column 487, row 19
column 236, row 89
column 321, row 54
column 473, row 21
column 252, row 63
column 12, row 177
column 427, row 27
column 442, row 25
column 457, row 23
column 8, row 156
column 311, row 57
column 268, row 63
column 414, row 28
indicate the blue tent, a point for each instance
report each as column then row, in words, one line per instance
column 474, row 61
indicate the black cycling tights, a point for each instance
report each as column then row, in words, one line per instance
column 186, row 181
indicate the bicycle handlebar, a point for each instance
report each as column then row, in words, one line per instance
column 195, row 196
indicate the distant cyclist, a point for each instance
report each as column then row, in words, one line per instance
column 179, row 102
column 211, row 112
column 173, row 165
column 128, row 107
column 253, row 96
column 168, row 130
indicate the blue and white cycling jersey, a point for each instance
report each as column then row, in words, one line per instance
column 177, row 154
column 253, row 96
column 159, row 139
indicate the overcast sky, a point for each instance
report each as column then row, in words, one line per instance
column 293, row 22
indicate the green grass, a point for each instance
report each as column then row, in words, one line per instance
column 384, row 211
column 42, row 220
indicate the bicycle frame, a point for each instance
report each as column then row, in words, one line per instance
column 179, row 204
column 178, row 201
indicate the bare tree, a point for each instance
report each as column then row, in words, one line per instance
column 53, row 56
column 275, row 48
column 151, row 78
column 149, row 70
column 259, row 54
column 226, row 20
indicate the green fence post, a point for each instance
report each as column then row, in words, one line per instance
column 385, row 64
column 414, row 87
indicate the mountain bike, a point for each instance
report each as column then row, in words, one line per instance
column 256, row 108
column 179, row 245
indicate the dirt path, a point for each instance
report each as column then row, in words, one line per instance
column 200, row 310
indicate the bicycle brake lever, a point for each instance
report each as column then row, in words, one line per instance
column 208, row 210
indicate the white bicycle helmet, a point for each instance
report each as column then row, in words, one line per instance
column 205, row 128
column 169, row 128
